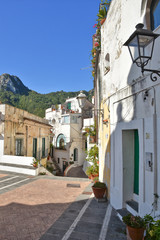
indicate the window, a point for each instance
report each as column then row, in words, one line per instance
column 43, row 147
column 65, row 119
column 52, row 121
column 86, row 144
column 107, row 64
column 61, row 142
column 75, row 154
column 35, row 147
column 155, row 14
column 19, row 143
column 69, row 105
column 73, row 119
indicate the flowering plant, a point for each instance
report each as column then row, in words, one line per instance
column 96, row 44
column 35, row 162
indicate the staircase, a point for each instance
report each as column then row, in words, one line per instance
column 18, row 164
column 57, row 168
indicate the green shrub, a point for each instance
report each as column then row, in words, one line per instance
column 99, row 185
column 134, row 221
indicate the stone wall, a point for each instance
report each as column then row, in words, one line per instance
column 19, row 124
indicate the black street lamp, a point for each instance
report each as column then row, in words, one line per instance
column 139, row 40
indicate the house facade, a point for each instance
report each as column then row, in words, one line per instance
column 129, row 128
column 69, row 142
column 22, row 135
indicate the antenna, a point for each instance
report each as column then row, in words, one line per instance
column 84, row 68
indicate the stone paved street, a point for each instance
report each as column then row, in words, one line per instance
column 27, row 212
column 56, row 208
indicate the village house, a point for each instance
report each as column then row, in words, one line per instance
column 69, row 142
column 23, row 136
column 129, row 128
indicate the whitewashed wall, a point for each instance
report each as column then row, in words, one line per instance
column 125, row 87
column 71, row 131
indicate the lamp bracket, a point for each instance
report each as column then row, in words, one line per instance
column 153, row 74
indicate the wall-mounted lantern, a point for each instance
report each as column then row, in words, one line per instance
column 81, row 99
column 142, row 40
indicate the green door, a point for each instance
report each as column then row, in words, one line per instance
column 43, row 147
column 19, row 147
column 75, row 154
column 69, row 105
column 136, row 162
column 35, row 147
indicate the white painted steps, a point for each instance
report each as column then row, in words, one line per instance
column 18, row 164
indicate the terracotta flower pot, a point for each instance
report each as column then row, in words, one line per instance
column 98, row 192
column 102, row 21
column 135, row 233
column 92, row 176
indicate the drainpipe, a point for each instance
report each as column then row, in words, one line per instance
column 39, row 145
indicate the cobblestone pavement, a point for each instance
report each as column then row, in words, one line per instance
column 54, row 208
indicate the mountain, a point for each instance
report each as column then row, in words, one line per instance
column 15, row 93
column 12, row 83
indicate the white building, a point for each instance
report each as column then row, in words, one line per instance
column 133, row 102
column 69, row 143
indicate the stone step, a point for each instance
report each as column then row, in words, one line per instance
column 57, row 166
column 122, row 212
column 17, row 168
column 132, row 206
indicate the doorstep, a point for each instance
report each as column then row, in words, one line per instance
column 132, row 207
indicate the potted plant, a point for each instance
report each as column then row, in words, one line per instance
column 135, row 226
column 92, row 157
column 99, row 189
column 93, row 52
column 103, row 11
column 35, row 162
column 91, row 132
column 102, row 15
column 92, row 172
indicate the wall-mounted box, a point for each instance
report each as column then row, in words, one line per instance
column 149, row 161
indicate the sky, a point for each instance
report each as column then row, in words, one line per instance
column 47, row 43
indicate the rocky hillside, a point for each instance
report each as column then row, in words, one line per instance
column 15, row 93
column 13, row 84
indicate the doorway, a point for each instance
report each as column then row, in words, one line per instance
column 19, row 147
column 75, row 156
column 65, row 165
column 34, row 147
column 130, row 149
column 136, row 162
